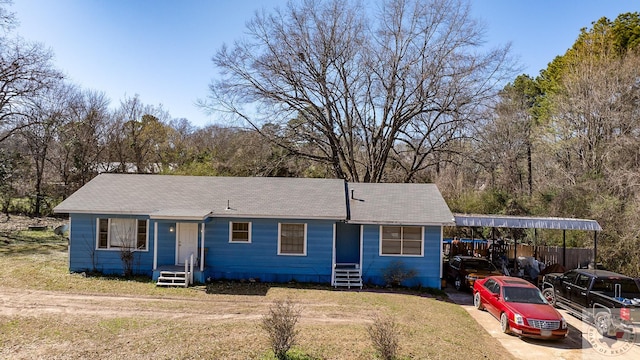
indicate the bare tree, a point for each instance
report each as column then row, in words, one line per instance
column 360, row 88
column 593, row 131
column 47, row 112
column 81, row 141
column 12, row 171
column 505, row 141
column 136, row 135
column 218, row 150
column 25, row 70
column 178, row 150
column 7, row 18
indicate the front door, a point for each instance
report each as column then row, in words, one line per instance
column 187, row 242
column 347, row 244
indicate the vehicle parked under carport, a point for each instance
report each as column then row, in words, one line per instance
column 465, row 270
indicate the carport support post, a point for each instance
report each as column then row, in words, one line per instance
column 473, row 240
column 515, row 256
column 535, row 243
column 564, row 248
column 595, row 249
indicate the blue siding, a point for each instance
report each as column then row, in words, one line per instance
column 427, row 267
column 260, row 260
column 83, row 255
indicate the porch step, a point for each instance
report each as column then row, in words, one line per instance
column 347, row 277
column 172, row 278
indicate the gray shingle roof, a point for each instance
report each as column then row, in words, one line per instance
column 412, row 204
column 197, row 197
column 168, row 196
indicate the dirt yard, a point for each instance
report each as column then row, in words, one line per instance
column 37, row 303
column 37, row 324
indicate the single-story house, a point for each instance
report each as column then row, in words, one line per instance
column 271, row 229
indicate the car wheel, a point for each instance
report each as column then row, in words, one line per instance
column 504, row 323
column 550, row 296
column 477, row 301
column 457, row 283
column 603, row 323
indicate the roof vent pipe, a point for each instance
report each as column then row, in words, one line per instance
column 352, row 198
column 228, row 205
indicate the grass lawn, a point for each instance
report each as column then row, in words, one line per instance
column 51, row 314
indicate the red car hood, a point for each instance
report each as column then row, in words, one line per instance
column 535, row 311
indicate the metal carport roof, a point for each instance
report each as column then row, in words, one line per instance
column 530, row 222
column 526, row 222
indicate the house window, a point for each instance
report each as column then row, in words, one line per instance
column 103, row 233
column 118, row 234
column 292, row 239
column 240, row 232
column 401, row 240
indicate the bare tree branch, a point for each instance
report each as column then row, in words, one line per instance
column 355, row 84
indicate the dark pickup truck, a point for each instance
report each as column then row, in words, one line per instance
column 608, row 300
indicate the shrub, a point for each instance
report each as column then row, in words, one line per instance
column 384, row 335
column 280, row 325
column 127, row 256
column 397, row 272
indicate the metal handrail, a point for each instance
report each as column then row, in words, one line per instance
column 188, row 270
column 191, row 270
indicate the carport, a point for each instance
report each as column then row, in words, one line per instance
column 530, row 222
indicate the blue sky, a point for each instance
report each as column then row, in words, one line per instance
column 162, row 49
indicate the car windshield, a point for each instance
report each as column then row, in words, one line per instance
column 523, row 295
column 471, row 265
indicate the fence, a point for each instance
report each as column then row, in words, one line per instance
column 574, row 257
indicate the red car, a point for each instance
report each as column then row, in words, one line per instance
column 520, row 307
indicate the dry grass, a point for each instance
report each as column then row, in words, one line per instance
column 145, row 322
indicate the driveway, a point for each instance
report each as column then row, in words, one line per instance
column 583, row 342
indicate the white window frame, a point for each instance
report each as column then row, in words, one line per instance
column 304, row 245
column 231, row 232
column 402, row 241
column 109, row 240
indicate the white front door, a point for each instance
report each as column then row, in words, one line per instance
column 187, row 242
